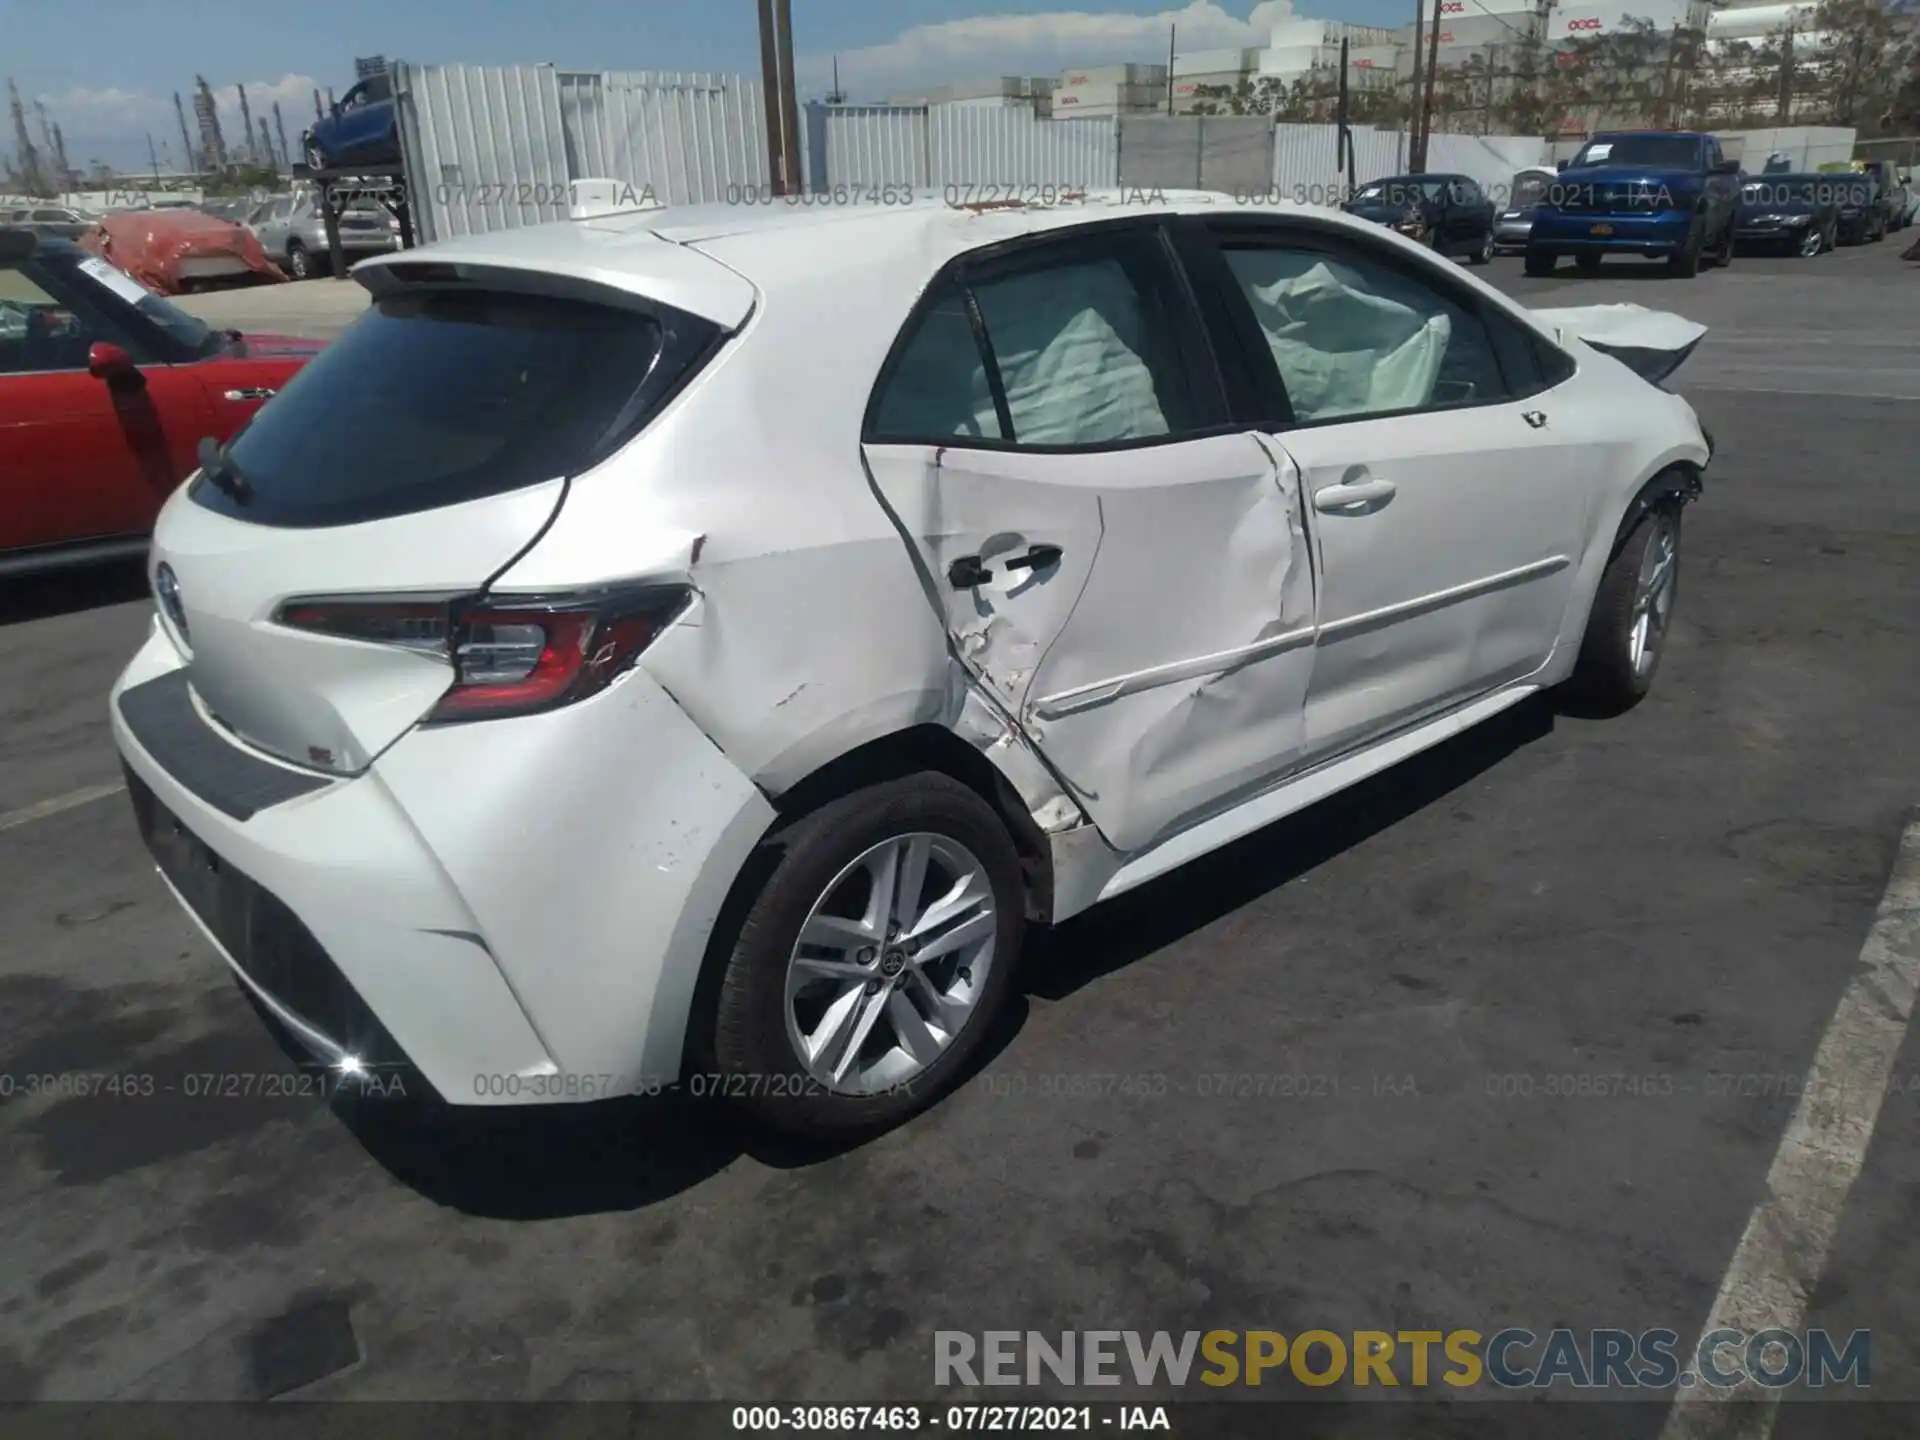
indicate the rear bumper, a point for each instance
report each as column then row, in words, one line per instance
column 515, row 911
column 1512, row 234
column 1661, row 233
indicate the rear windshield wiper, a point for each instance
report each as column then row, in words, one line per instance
column 221, row 472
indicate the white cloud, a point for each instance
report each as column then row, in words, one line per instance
column 987, row 45
column 96, row 121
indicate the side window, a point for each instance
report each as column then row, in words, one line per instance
column 1088, row 347
column 1083, row 347
column 938, row 388
column 1354, row 337
column 38, row 331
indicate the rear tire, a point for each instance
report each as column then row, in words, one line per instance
column 299, row 261
column 1540, row 262
column 1632, row 613
column 776, row 1001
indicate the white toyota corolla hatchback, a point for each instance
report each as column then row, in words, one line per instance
column 688, row 646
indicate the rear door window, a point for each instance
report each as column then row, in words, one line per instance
column 439, row 397
column 1061, row 345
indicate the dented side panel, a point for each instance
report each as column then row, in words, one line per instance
column 1161, row 662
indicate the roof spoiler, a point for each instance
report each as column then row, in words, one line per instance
column 1651, row 343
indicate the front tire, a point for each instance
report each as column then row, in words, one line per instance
column 1540, row 262
column 1632, row 610
column 1587, row 262
column 1811, row 243
column 299, row 261
column 1684, row 264
column 873, row 962
column 1484, row 255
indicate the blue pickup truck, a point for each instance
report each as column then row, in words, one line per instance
column 1667, row 195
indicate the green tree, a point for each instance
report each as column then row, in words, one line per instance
column 1856, row 73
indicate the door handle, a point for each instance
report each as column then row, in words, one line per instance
column 251, row 392
column 1038, row 557
column 1334, row 498
column 1536, row 418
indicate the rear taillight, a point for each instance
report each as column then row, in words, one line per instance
column 508, row 658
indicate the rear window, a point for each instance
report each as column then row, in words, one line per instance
column 435, row 398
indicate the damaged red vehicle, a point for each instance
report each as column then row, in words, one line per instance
column 106, row 391
column 175, row 252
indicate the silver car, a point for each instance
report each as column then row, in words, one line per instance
column 292, row 229
column 58, row 221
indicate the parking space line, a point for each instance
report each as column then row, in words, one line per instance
column 1783, row 1253
column 14, row 818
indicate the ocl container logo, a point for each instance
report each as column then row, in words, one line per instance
column 1453, row 7
column 1592, row 22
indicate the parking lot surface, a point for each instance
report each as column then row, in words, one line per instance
column 1357, row 1038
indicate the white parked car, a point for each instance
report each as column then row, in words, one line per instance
column 688, row 647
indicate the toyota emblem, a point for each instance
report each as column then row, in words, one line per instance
column 166, row 588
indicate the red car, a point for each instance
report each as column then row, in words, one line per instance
column 106, row 391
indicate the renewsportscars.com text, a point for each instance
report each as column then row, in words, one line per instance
column 1510, row 1359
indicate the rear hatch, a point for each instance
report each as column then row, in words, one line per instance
column 402, row 470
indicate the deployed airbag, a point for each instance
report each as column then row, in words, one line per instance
column 1342, row 347
column 1652, row 343
column 1078, row 383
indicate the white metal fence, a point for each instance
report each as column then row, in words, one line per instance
column 496, row 147
column 485, row 147
column 983, row 150
column 690, row 138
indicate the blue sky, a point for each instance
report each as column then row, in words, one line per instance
column 107, row 69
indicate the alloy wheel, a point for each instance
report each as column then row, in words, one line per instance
column 1810, row 242
column 1653, row 595
column 890, row 964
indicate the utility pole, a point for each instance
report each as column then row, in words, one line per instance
column 1426, row 103
column 1413, row 90
column 789, row 96
column 1172, row 30
column 776, row 80
column 187, row 162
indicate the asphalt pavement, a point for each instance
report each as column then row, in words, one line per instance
column 1355, row 1041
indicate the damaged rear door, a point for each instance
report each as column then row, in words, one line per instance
column 1121, row 569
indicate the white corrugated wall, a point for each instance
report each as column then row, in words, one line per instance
column 1304, row 166
column 1307, row 169
column 689, row 137
column 868, row 145
column 484, row 146
column 1008, row 148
